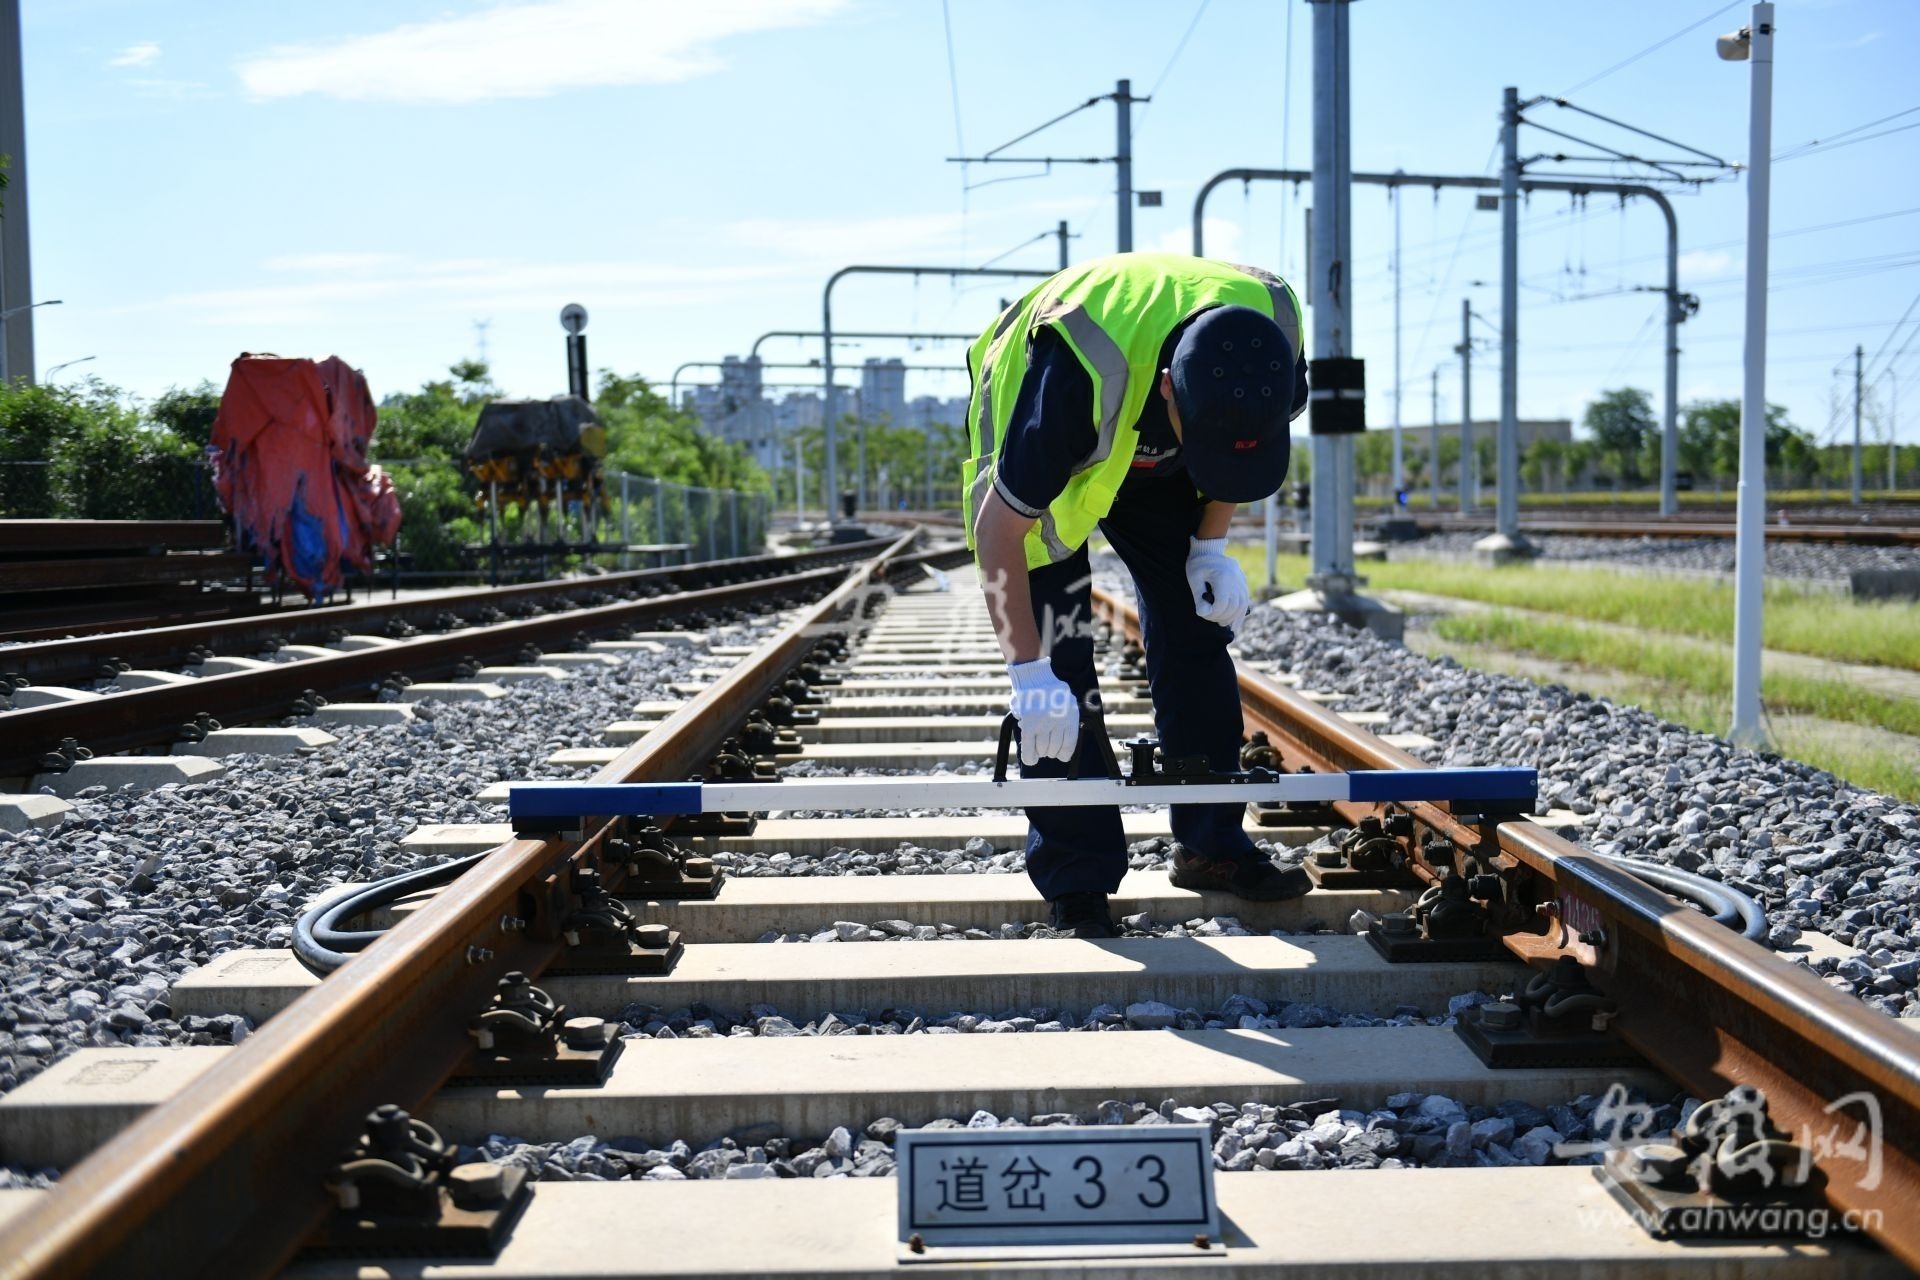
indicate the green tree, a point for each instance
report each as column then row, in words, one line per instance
column 1710, row 442
column 1543, row 466
column 87, row 452
column 649, row 437
column 1373, row 457
column 1620, row 422
column 188, row 414
column 434, row 422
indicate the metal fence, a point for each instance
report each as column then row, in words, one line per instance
column 713, row 523
column 148, row 486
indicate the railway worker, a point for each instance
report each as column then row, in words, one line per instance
column 1143, row 394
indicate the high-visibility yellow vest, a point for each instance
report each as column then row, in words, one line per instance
column 1114, row 313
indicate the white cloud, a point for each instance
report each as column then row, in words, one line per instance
column 137, row 55
column 529, row 49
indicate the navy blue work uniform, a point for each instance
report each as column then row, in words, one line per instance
column 1190, row 676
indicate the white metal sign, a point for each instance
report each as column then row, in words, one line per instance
column 573, row 317
column 1082, row 1190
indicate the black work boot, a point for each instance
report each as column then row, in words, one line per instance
column 1253, row 877
column 1082, row 915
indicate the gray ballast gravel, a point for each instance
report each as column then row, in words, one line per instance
column 100, row 914
column 1414, row 1130
column 1816, row 851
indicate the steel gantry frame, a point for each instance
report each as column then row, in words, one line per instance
column 1679, row 306
column 828, row 406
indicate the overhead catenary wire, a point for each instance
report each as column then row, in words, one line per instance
column 1824, row 148
column 1803, row 148
column 1198, row 13
column 1657, row 45
column 959, row 137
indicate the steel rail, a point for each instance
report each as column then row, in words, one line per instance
column 226, row 1179
column 142, row 717
column 57, row 661
column 1707, row 1007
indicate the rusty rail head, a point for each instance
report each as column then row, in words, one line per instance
column 1705, row 1005
column 226, row 1178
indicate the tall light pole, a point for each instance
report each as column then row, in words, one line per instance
column 1506, row 542
column 1329, row 290
column 16, row 273
column 1467, row 458
column 1123, row 101
column 1433, row 446
column 1753, row 44
column 1338, row 394
column 1893, row 431
column 6, row 368
column 66, row 364
column 1398, row 461
column 1859, row 353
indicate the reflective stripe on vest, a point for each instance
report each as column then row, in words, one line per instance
column 1115, row 314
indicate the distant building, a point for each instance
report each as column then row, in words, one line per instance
column 736, row 409
column 883, row 389
column 795, row 410
column 928, row 411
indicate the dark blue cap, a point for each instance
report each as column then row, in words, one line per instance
column 1233, row 386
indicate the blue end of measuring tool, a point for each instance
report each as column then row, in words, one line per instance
column 573, row 799
column 1507, row 787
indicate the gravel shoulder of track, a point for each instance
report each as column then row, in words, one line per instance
column 1818, row 852
column 99, row 914
column 1826, row 562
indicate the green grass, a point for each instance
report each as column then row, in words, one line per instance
column 1864, row 764
column 1419, row 499
column 1679, row 683
column 1797, row 620
column 1680, row 664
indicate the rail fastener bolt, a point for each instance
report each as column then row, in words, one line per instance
column 653, row 937
column 476, row 1186
column 478, row 955
column 585, row 1033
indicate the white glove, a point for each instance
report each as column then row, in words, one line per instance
column 1048, row 712
column 1219, row 588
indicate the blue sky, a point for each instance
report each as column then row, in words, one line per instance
column 371, row 179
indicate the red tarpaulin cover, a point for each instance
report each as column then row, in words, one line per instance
column 291, row 468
